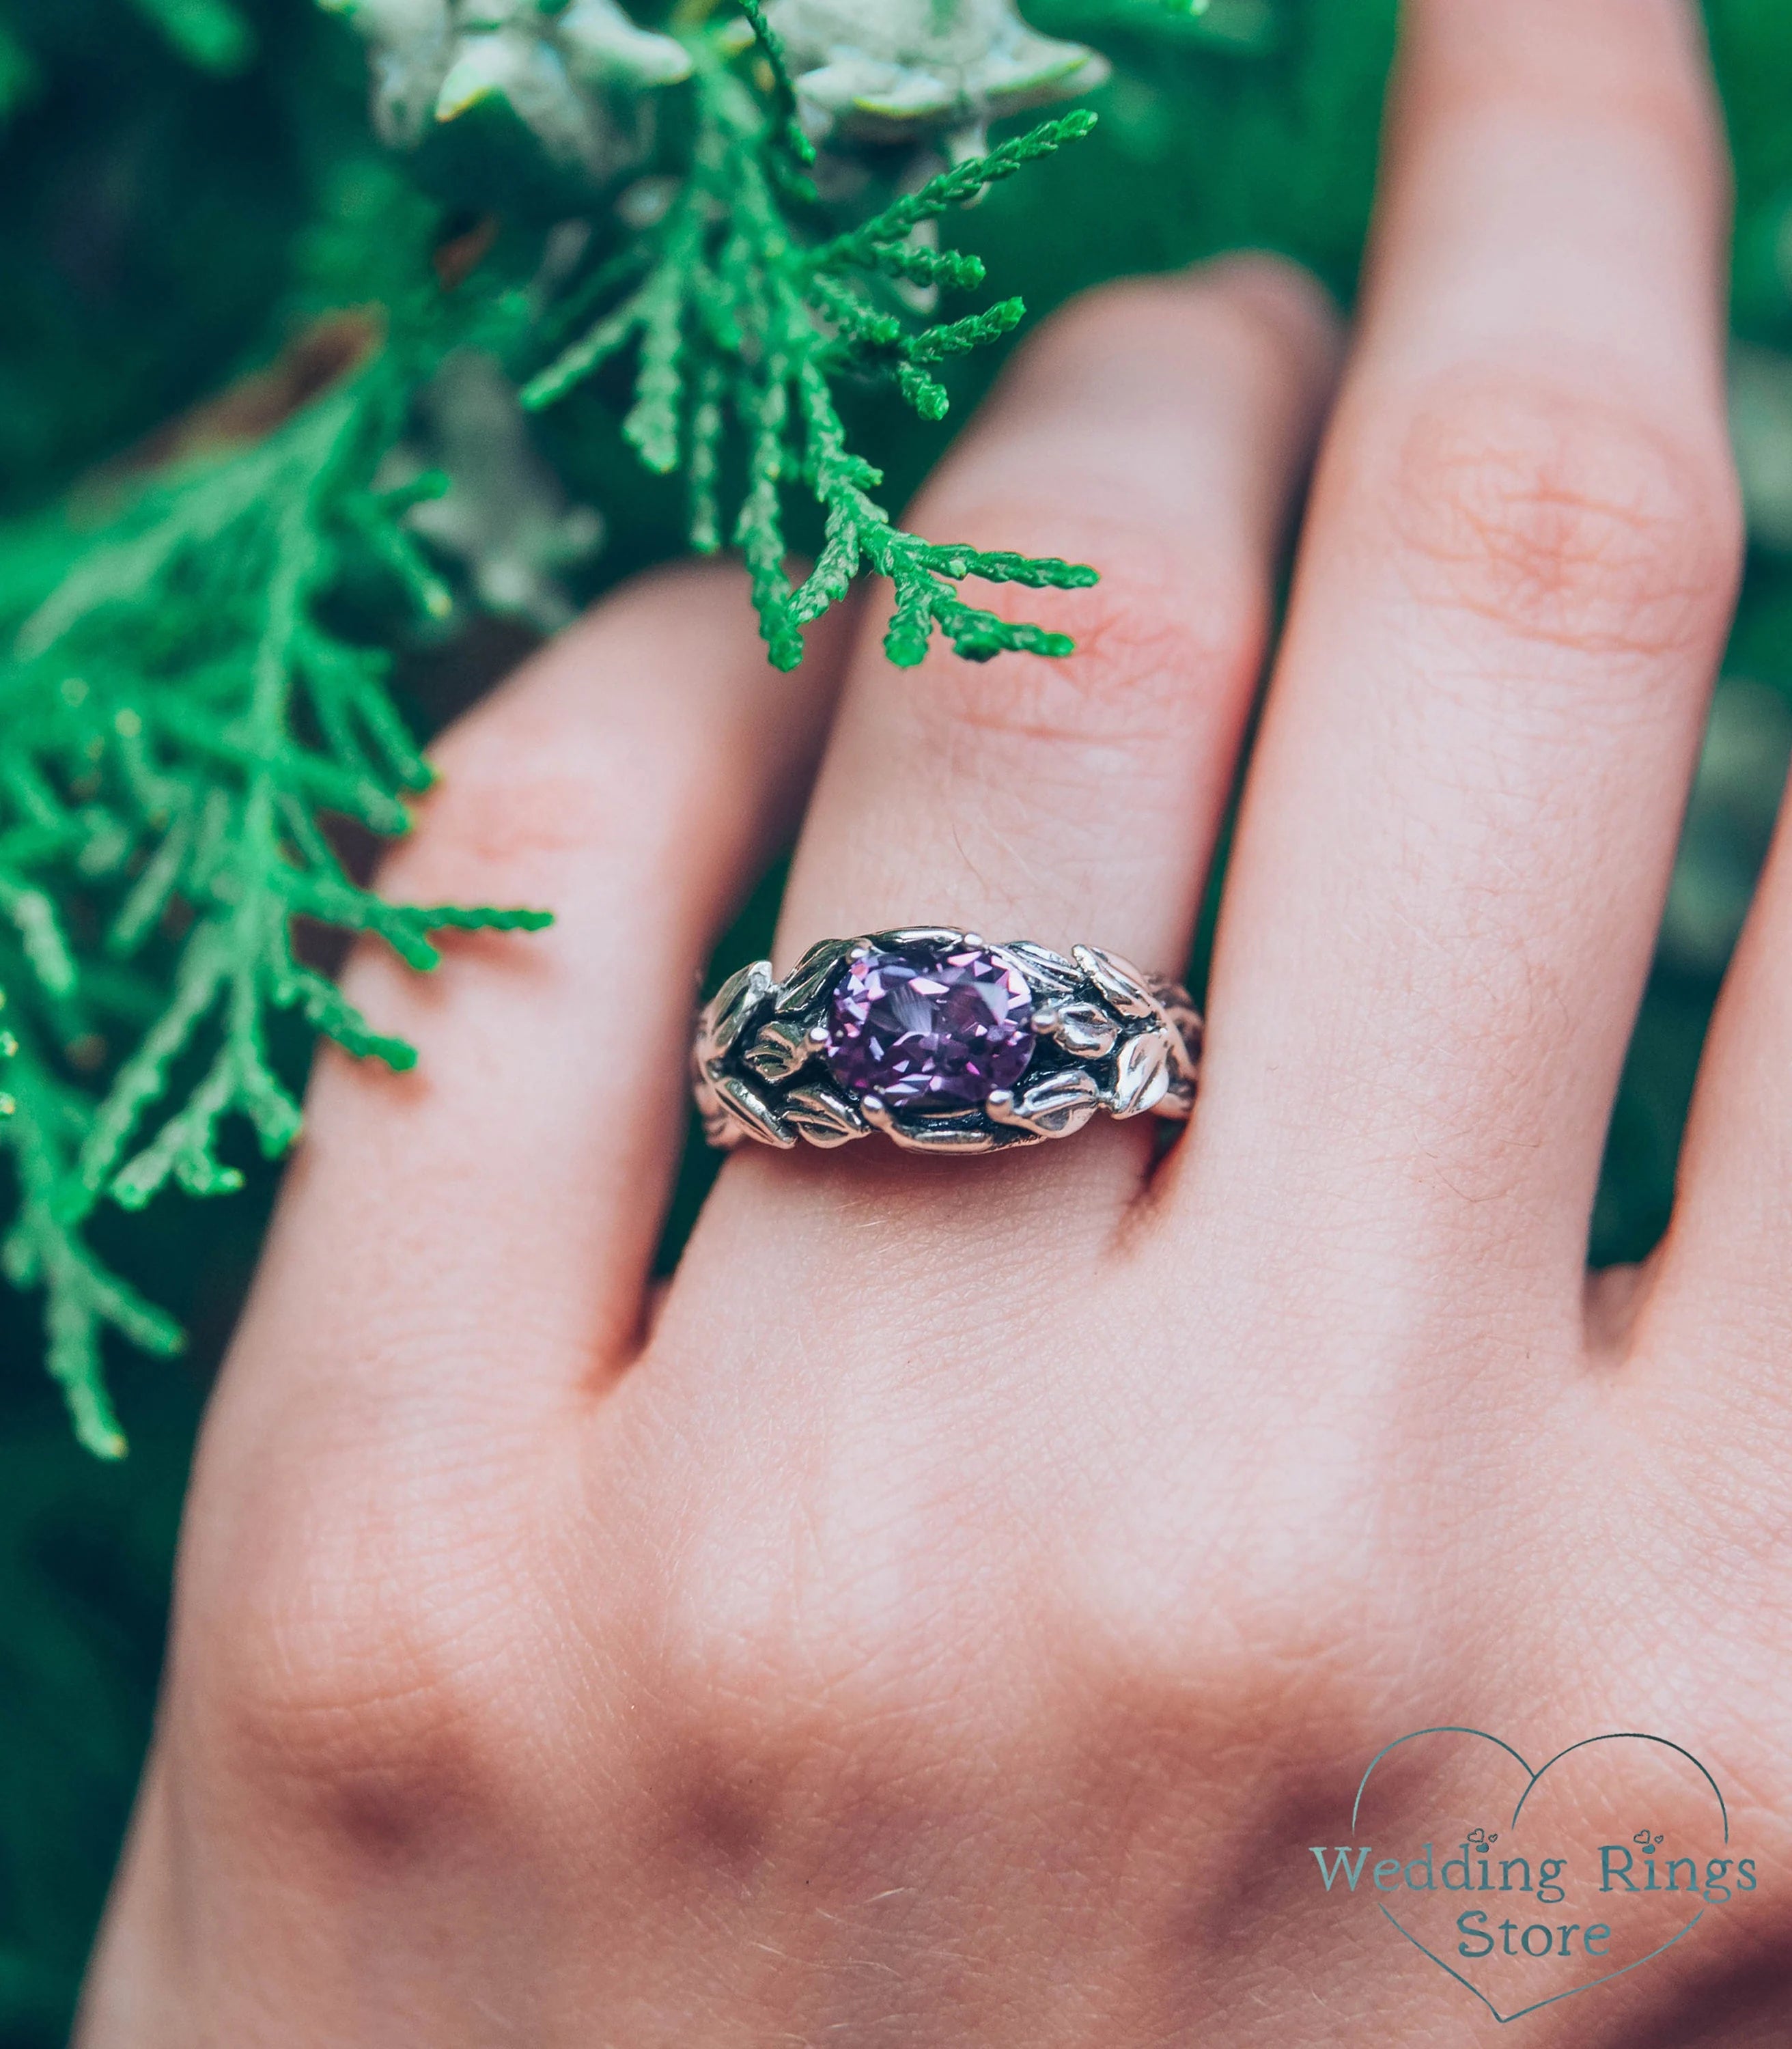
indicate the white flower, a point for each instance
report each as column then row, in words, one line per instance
column 890, row 70
column 432, row 59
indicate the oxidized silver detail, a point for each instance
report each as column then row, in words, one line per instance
column 1108, row 1037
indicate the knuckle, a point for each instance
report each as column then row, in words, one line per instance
column 1230, row 1675
column 1565, row 518
column 1254, row 298
column 552, row 777
column 1258, row 327
column 1158, row 642
column 736, row 1735
column 777, row 1688
column 358, row 1696
column 812, row 1659
column 1252, row 1711
column 518, row 805
column 513, row 814
column 1260, row 1624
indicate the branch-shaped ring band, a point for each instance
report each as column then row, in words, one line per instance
column 941, row 1040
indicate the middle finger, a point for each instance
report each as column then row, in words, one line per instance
column 1520, row 562
column 1160, row 429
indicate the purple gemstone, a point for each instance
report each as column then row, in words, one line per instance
column 931, row 1024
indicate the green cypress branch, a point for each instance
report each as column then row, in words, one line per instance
column 738, row 321
column 784, row 91
column 960, row 186
column 183, row 709
column 190, row 693
column 40, row 1131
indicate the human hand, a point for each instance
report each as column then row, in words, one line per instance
column 946, row 1622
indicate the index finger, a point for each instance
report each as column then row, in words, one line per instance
column 471, row 1241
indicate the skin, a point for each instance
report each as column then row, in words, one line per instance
column 942, row 1617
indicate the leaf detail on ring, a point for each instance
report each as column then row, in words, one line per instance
column 812, row 975
column 731, row 1005
column 1143, row 1070
column 1119, row 981
column 1049, row 974
column 917, row 936
column 957, row 1131
column 1187, row 1020
column 1085, row 1029
column 780, row 1046
column 932, row 1135
column 822, row 1115
column 743, row 1103
column 1053, row 1107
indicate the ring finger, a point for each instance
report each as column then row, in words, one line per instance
column 1160, row 430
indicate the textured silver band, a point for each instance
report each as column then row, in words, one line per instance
column 1106, row 1037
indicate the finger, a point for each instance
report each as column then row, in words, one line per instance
column 1159, row 431
column 1715, row 1325
column 472, row 1237
column 1521, row 558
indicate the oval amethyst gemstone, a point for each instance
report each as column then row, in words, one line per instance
column 931, row 1024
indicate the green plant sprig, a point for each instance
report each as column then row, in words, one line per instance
column 184, row 711
column 737, row 325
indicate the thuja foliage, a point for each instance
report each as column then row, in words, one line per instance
column 184, row 712
column 195, row 695
column 741, row 324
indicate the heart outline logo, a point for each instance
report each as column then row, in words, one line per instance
column 1532, row 1779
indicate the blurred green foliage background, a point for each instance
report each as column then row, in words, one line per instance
column 169, row 167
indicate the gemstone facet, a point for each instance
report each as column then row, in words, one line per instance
column 930, row 1025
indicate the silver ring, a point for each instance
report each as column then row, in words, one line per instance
column 941, row 1041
